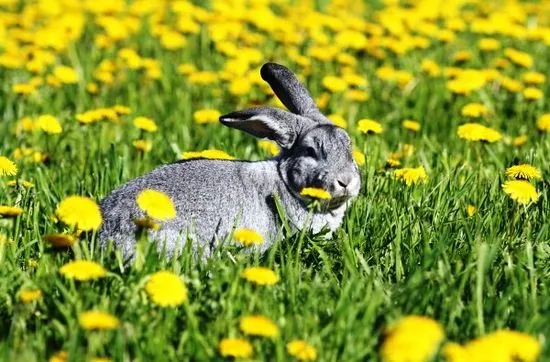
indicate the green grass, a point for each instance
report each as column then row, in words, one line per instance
column 400, row 251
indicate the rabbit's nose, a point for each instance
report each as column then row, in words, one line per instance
column 344, row 180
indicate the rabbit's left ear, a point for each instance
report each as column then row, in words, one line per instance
column 291, row 91
column 266, row 122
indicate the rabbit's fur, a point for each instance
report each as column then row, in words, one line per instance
column 212, row 197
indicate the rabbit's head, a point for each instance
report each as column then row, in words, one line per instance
column 315, row 152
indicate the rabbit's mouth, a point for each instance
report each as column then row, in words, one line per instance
column 336, row 202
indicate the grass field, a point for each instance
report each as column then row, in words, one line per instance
column 452, row 245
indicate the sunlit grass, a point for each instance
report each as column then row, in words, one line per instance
column 402, row 249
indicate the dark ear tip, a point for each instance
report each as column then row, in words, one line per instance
column 226, row 118
column 268, row 69
column 236, row 115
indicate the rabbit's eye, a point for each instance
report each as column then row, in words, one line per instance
column 310, row 152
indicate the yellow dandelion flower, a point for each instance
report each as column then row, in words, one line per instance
column 411, row 175
column 521, row 191
column 260, row 275
column 208, row 115
column 354, row 79
column 32, row 263
column 474, row 110
column 4, row 239
column 467, row 81
column 462, row 56
column 49, row 124
column 405, row 150
column 369, row 126
column 145, row 124
column 240, row 87
column 524, row 171
column 413, row 338
column 66, row 75
column 488, row 44
column 92, row 88
column 359, row 157
column 186, row 68
column 38, row 157
column 491, row 74
column 235, row 347
column 61, row 356
column 100, row 359
column 156, row 204
column 322, row 100
column 257, row 325
column 7, row 167
column 248, row 237
column 511, row 85
column 316, row 193
column 29, row 295
column 517, row 345
column 534, row 78
column 208, row 154
column 430, row 67
column 501, row 345
column 301, row 350
column 520, row 140
column 203, row 78
column 334, row 84
column 501, row 63
column 120, row 109
column 51, row 80
column 166, row 289
column 357, row 95
column 89, row 117
column 471, row 210
column 143, row 145
column 338, row 120
column 60, row 240
column 25, row 124
column 411, row 125
column 82, row 270
column 80, row 212
column 10, row 211
column 543, row 124
column 393, row 162
column 172, row 40
column 453, row 352
column 477, row 132
column 532, row 94
column 98, row 320
column 519, row 58
column 271, row 147
column 23, row 88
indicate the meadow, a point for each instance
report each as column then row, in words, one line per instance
column 444, row 256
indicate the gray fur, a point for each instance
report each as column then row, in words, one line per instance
column 212, row 197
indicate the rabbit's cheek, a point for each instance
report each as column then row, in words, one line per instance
column 297, row 179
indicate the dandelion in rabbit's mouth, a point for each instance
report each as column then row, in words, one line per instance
column 315, row 193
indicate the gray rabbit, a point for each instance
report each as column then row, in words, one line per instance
column 212, row 197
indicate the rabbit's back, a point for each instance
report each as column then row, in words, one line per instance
column 210, row 196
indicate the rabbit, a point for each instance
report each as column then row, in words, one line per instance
column 213, row 197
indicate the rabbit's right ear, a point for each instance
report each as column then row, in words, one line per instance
column 266, row 122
